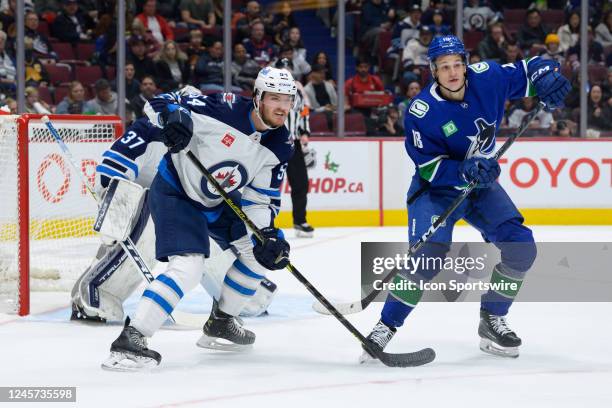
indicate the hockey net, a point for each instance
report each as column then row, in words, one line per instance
column 46, row 213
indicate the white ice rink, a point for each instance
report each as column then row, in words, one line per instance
column 302, row 359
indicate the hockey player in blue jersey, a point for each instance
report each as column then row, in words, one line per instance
column 245, row 145
column 450, row 136
column 100, row 291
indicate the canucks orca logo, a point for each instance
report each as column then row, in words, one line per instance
column 483, row 143
column 231, row 176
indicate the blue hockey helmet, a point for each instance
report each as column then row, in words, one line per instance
column 446, row 45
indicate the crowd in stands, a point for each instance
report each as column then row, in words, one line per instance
column 71, row 51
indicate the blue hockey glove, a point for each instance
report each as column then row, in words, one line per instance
column 550, row 85
column 273, row 252
column 177, row 127
column 484, row 171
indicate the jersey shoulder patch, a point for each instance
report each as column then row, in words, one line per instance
column 479, row 67
column 418, row 108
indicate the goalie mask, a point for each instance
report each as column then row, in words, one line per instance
column 275, row 80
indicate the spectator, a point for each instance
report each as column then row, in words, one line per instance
column 375, row 18
column 321, row 58
column 74, row 102
column 532, row 34
column 414, row 57
column 474, row 58
column 541, row 121
column 492, row 47
column 152, row 46
column 148, row 89
column 209, row 69
column 298, row 68
column 412, row 90
column 362, row 82
column 603, row 31
column 568, row 33
column 171, row 67
column 552, row 49
column 198, row 14
column 7, row 18
column 320, row 92
column 295, row 40
column 257, row 46
column 282, row 22
column 170, row 10
column 607, row 86
column 105, row 101
column 512, row 52
column 33, row 103
column 388, row 123
column 35, row 73
column 437, row 5
column 7, row 68
column 40, row 43
column 477, row 16
column 10, row 106
column 159, row 27
column 143, row 65
column 195, row 48
column 132, row 85
column 106, row 40
column 438, row 27
column 407, row 29
column 599, row 111
column 244, row 69
column 253, row 14
column 71, row 25
column 595, row 51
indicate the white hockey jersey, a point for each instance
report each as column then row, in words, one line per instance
column 228, row 145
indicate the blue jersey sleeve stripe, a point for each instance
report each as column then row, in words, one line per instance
column 123, row 160
column 163, row 303
column 168, row 281
column 246, row 271
column 100, row 168
column 246, row 203
column 265, row 191
column 238, row 287
column 114, row 165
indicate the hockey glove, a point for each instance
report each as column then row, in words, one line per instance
column 550, row 85
column 273, row 252
column 484, row 171
column 177, row 127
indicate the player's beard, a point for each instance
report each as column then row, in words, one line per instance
column 268, row 119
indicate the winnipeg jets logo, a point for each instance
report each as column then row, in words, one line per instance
column 229, row 174
column 483, row 143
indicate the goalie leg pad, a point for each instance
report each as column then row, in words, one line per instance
column 101, row 290
column 161, row 296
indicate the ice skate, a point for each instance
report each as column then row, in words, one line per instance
column 130, row 353
column 225, row 332
column 303, row 230
column 496, row 337
column 380, row 336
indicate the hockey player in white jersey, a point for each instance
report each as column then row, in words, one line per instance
column 99, row 293
column 245, row 144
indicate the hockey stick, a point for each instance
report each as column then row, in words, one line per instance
column 417, row 358
column 181, row 318
column 358, row 306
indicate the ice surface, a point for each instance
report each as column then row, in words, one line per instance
column 302, row 359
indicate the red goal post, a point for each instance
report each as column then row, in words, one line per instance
column 45, row 209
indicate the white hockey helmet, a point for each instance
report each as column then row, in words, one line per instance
column 189, row 90
column 276, row 80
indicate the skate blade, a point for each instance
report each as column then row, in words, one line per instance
column 303, row 234
column 126, row 362
column 216, row 343
column 490, row 347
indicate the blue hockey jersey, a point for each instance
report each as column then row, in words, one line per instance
column 442, row 133
column 135, row 156
column 228, row 145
